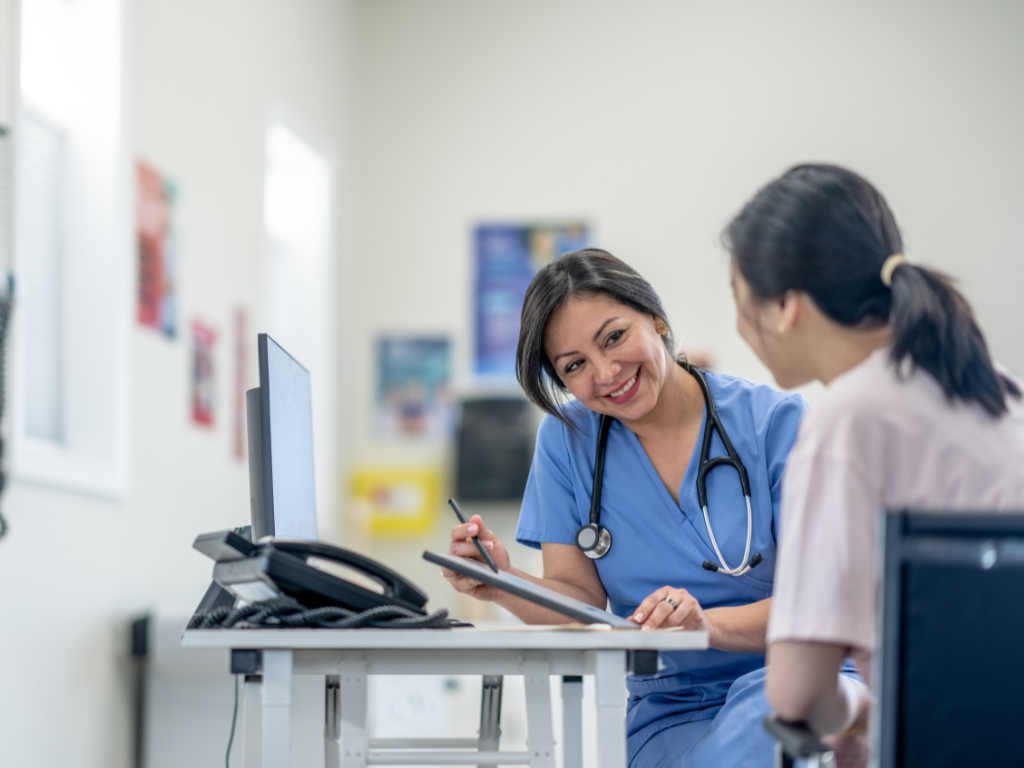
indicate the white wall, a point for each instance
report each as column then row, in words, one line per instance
column 655, row 120
column 7, row 61
column 206, row 79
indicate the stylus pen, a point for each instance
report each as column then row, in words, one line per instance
column 479, row 544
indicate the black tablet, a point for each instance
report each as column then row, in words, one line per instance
column 567, row 606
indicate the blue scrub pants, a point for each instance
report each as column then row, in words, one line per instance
column 734, row 737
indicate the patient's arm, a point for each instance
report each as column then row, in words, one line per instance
column 804, row 685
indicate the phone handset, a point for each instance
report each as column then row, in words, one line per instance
column 271, row 568
column 395, row 585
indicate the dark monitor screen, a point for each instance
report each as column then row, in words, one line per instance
column 283, row 490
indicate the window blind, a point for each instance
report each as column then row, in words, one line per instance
column 43, row 158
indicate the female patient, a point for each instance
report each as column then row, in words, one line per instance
column 915, row 415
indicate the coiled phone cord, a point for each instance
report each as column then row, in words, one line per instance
column 288, row 612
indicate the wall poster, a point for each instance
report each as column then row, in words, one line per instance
column 402, row 501
column 240, row 425
column 507, row 258
column 157, row 251
column 414, row 396
column 204, row 383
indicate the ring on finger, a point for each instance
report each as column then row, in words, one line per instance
column 671, row 602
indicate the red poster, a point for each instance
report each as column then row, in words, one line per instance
column 241, row 365
column 158, row 251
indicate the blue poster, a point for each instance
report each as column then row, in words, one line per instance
column 414, row 395
column 507, row 258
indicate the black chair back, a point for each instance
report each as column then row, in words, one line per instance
column 951, row 666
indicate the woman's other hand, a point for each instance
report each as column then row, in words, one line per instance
column 462, row 546
column 671, row 607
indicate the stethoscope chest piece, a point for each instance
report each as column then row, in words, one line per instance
column 594, row 541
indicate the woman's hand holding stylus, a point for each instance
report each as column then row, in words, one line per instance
column 462, row 546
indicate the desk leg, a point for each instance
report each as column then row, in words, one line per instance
column 572, row 721
column 540, row 740
column 332, row 722
column 354, row 741
column 277, row 707
column 252, row 722
column 610, row 672
column 490, row 714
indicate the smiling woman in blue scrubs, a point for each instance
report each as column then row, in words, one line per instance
column 593, row 328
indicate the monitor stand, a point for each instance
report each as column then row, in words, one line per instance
column 216, row 596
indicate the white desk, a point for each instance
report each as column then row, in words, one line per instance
column 347, row 656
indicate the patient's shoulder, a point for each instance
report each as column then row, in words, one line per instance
column 861, row 405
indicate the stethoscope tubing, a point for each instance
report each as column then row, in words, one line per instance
column 705, row 465
column 744, row 565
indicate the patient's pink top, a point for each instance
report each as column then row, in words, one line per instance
column 877, row 440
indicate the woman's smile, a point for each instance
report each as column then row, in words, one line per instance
column 626, row 392
column 610, row 357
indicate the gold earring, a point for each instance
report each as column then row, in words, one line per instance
column 662, row 329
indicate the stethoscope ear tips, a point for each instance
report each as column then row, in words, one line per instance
column 754, row 561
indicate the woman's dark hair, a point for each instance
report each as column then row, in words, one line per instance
column 826, row 231
column 588, row 272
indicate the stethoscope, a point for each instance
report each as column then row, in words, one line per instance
column 595, row 541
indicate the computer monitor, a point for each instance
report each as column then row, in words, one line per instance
column 280, row 425
column 952, row 640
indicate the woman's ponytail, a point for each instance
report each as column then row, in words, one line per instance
column 828, row 232
column 933, row 325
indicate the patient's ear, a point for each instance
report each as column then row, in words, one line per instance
column 792, row 309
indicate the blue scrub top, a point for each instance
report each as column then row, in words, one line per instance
column 656, row 542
